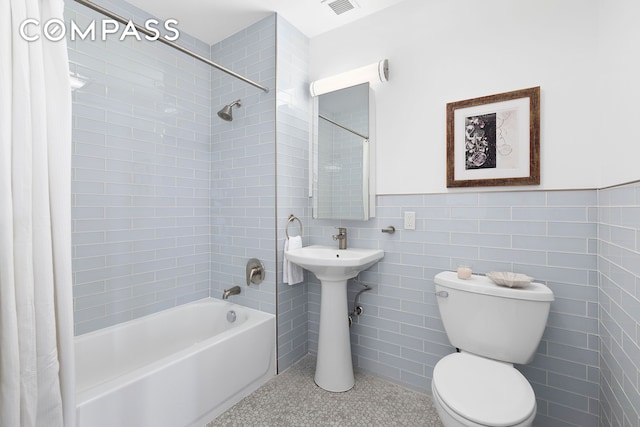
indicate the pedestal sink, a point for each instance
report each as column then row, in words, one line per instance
column 333, row 267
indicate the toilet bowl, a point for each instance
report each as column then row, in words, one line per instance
column 472, row 391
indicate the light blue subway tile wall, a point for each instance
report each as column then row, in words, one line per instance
column 548, row 235
column 243, row 165
column 293, row 105
column 140, row 174
column 619, row 267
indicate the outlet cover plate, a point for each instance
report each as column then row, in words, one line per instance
column 409, row 220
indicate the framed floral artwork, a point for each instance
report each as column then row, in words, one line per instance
column 494, row 140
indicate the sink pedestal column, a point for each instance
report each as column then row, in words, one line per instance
column 334, row 367
column 333, row 267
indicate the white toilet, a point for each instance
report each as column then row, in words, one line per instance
column 493, row 327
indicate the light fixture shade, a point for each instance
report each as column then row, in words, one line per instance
column 373, row 74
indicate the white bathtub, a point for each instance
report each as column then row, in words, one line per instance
column 179, row 367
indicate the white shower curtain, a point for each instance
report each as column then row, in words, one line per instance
column 36, row 316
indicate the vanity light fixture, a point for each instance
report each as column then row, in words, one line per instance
column 374, row 73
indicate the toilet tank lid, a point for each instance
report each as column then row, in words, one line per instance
column 483, row 285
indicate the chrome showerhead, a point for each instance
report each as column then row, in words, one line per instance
column 225, row 113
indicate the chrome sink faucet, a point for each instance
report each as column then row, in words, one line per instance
column 341, row 237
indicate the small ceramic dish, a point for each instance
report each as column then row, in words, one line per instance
column 509, row 279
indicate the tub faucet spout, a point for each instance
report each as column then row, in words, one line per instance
column 232, row 291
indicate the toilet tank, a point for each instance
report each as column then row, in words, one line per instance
column 493, row 321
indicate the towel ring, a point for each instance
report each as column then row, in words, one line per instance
column 292, row 218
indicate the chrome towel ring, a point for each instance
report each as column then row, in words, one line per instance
column 292, row 218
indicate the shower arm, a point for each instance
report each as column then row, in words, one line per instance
column 147, row 32
column 343, row 126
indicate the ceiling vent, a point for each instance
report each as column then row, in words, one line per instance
column 342, row 6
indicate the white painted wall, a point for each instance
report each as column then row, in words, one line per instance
column 618, row 124
column 448, row 50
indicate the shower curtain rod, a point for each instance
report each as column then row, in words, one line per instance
column 145, row 31
column 343, row 127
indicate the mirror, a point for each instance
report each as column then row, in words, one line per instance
column 343, row 154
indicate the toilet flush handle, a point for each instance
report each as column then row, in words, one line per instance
column 443, row 294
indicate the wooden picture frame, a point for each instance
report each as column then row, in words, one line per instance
column 494, row 140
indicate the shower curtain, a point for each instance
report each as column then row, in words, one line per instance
column 36, row 316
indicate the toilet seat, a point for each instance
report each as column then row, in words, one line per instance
column 483, row 391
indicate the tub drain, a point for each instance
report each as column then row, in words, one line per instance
column 231, row 316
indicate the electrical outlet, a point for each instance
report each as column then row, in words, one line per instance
column 409, row 220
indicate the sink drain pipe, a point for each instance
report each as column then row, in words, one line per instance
column 358, row 310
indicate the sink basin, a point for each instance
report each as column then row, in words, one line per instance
column 334, row 367
column 329, row 263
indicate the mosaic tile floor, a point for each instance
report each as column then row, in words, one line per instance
column 293, row 399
